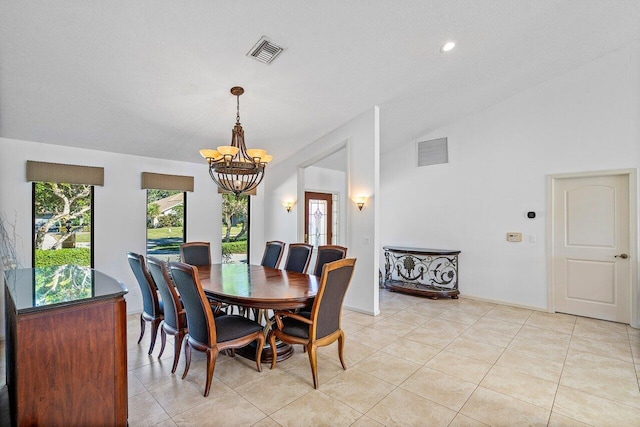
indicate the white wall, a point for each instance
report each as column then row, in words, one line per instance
column 120, row 206
column 587, row 119
column 286, row 180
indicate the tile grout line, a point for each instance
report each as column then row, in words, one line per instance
column 564, row 362
column 633, row 359
column 489, row 370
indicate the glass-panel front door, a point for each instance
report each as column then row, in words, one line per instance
column 318, row 218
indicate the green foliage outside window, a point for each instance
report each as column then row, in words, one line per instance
column 77, row 256
column 62, row 228
column 235, row 227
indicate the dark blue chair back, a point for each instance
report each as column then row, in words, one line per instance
column 326, row 254
column 328, row 303
column 298, row 257
column 150, row 302
column 170, row 298
column 272, row 254
column 199, row 315
column 196, row 253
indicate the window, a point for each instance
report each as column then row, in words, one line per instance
column 166, row 223
column 62, row 224
column 235, row 228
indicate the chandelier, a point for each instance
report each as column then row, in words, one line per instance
column 234, row 168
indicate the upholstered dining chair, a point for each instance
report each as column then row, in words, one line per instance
column 272, row 254
column 196, row 253
column 152, row 307
column 199, row 254
column 328, row 253
column 175, row 318
column 298, row 257
column 320, row 326
column 207, row 333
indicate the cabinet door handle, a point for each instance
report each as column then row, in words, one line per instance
column 623, row 256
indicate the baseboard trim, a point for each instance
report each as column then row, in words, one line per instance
column 359, row 310
column 507, row 303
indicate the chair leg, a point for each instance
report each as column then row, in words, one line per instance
column 187, row 359
column 212, row 355
column 176, row 353
column 341, row 350
column 274, row 353
column 259, row 348
column 154, row 334
column 142, row 325
column 313, row 361
column 163, row 341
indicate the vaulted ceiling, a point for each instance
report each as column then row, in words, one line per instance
column 152, row 77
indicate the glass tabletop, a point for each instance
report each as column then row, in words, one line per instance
column 46, row 287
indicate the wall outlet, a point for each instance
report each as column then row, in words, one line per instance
column 514, row 237
column 366, row 240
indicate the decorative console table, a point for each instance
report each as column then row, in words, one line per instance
column 427, row 272
column 66, row 347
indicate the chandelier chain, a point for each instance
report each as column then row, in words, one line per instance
column 237, row 109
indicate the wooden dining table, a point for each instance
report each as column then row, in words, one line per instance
column 259, row 288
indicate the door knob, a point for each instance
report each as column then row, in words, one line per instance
column 623, row 256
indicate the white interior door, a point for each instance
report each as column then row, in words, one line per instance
column 591, row 273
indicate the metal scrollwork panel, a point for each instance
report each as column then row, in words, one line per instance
column 435, row 271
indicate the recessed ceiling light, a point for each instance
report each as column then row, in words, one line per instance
column 448, row 46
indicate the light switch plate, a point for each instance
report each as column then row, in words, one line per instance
column 514, row 237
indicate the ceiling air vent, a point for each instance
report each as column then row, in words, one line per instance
column 433, row 152
column 265, row 51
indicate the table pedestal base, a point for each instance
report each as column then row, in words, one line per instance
column 283, row 352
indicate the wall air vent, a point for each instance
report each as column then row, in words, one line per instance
column 433, row 152
column 265, row 51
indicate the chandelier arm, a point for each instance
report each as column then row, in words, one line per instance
column 238, row 140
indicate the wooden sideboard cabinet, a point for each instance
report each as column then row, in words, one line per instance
column 427, row 272
column 66, row 347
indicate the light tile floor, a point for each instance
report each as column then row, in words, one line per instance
column 420, row 363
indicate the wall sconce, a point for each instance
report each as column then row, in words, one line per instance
column 360, row 201
column 288, row 205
